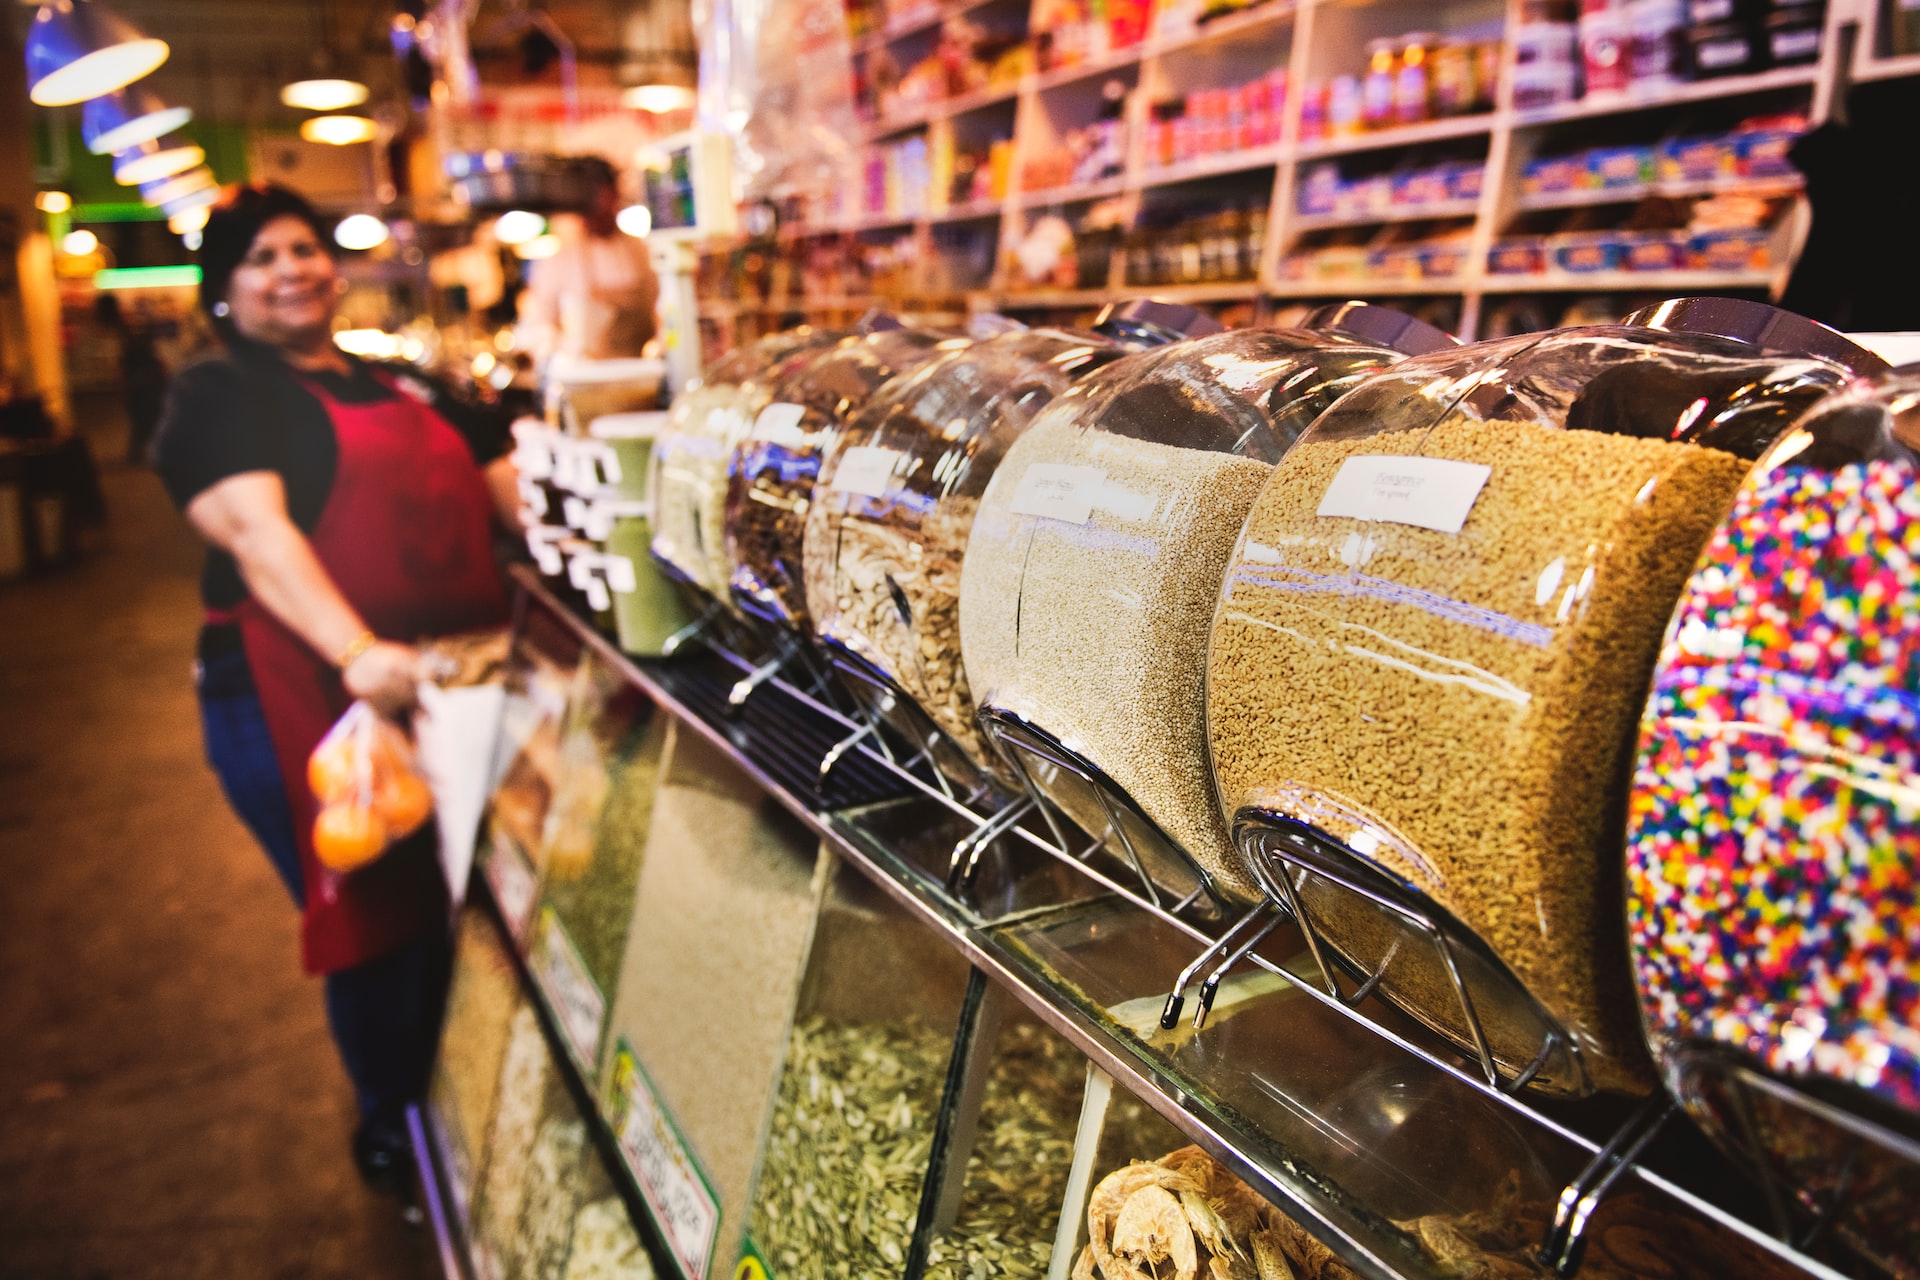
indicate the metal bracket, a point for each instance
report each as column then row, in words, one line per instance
column 1566, row 1238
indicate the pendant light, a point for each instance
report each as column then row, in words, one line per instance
column 77, row 49
column 151, row 161
column 321, row 89
column 189, row 219
column 164, row 191
column 323, row 94
column 360, row 231
column 659, row 99
column 114, row 122
column 339, row 131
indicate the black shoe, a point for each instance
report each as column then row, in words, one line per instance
column 384, row 1155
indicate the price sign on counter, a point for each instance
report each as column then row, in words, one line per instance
column 1058, row 491
column 865, row 470
column 1431, row 493
column 570, row 990
column 681, row 1199
column 514, row 886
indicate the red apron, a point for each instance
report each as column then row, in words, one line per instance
column 406, row 536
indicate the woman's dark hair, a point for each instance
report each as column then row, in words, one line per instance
column 229, row 233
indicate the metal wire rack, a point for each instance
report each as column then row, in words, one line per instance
column 872, row 749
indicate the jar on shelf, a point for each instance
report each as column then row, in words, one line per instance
column 1413, row 79
column 770, row 472
column 1773, row 852
column 1659, row 30
column 1093, row 559
column 1453, row 76
column 887, row 532
column 687, row 478
column 1344, row 111
column 1378, row 85
column 1606, row 48
column 1432, row 642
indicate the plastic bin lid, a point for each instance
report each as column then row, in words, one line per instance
column 1379, row 326
column 1169, row 321
column 1768, row 329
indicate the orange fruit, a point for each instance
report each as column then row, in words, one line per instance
column 331, row 770
column 404, row 802
column 347, row 836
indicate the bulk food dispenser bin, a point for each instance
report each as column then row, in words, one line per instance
column 1090, row 574
column 1433, row 640
column 887, row 529
column 770, row 473
column 1773, row 838
column 687, row 481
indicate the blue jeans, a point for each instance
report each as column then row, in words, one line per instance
column 385, row 1014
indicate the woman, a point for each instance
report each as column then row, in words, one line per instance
column 348, row 513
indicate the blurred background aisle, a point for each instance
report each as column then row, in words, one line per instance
column 160, row 1118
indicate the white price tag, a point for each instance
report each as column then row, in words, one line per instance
column 1432, row 493
column 571, row 991
column 620, row 575
column 865, row 470
column 513, row 884
column 1058, row 491
column 677, row 1193
column 779, row 423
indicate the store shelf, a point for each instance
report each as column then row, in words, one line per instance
column 1406, row 136
column 1359, row 288
column 924, row 113
column 914, row 26
column 971, row 211
column 1213, row 166
column 1048, row 299
column 778, row 739
column 1118, row 60
column 1402, row 213
column 1218, row 291
column 1072, row 193
column 1762, row 187
column 1629, row 282
column 1221, row 30
column 1694, row 91
column 1887, row 68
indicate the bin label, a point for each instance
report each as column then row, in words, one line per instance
column 677, row 1192
column 515, row 888
column 1432, row 493
column 865, row 470
column 1058, row 492
column 779, row 423
column 570, row 990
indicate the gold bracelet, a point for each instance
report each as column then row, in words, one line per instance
column 361, row 643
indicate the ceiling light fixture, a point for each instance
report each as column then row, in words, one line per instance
column 323, row 94
column 77, row 49
column 189, row 220
column 53, row 202
column 167, row 190
column 517, row 227
column 201, row 200
column 658, row 98
column 151, row 161
column 113, row 122
column 360, row 231
column 78, row 244
column 339, row 131
column 636, row 220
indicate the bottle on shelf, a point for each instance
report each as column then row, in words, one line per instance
column 1377, row 86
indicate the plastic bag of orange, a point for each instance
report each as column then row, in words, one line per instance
column 370, row 794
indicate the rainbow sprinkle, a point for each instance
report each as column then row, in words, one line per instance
column 1773, row 838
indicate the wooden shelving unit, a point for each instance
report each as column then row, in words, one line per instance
column 1312, row 40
